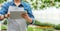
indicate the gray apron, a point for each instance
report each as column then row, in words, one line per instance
column 16, row 24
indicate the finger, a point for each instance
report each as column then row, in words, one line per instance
column 6, row 15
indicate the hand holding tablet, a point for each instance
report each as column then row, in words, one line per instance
column 16, row 12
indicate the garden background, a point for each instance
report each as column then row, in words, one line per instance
column 46, row 12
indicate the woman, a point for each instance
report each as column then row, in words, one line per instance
column 27, row 16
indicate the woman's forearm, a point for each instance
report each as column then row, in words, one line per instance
column 29, row 19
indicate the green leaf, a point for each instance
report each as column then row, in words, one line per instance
column 42, row 6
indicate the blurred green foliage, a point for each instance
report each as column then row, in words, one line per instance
column 29, row 29
column 37, row 29
column 43, row 24
column 1, row 1
column 5, row 22
column 3, row 27
column 41, row 4
column 57, row 27
column 57, row 0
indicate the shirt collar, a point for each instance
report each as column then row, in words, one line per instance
column 21, row 5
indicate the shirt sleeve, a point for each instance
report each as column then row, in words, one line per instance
column 31, row 14
column 4, row 9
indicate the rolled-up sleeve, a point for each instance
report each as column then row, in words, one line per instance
column 31, row 15
column 3, row 10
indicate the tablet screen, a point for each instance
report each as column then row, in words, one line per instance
column 15, row 12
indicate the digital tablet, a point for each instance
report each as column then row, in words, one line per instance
column 16, row 12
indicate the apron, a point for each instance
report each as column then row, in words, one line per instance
column 16, row 24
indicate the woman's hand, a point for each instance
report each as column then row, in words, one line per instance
column 1, row 17
column 25, row 16
column 7, row 15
